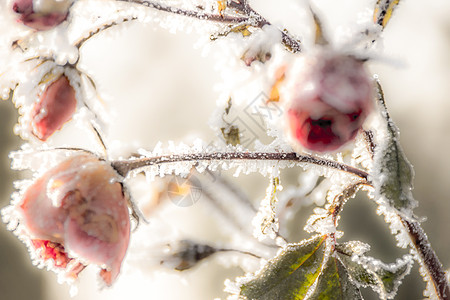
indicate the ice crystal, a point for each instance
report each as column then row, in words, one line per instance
column 265, row 222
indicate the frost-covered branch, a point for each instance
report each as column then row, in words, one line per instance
column 250, row 16
column 288, row 41
column 81, row 41
column 340, row 200
column 188, row 13
column 429, row 258
column 125, row 166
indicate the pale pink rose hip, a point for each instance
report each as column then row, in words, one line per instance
column 77, row 212
column 38, row 20
column 55, row 107
column 329, row 102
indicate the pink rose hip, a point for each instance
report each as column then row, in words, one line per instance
column 77, row 213
column 55, row 107
column 329, row 102
column 47, row 15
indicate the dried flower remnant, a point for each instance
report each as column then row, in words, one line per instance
column 77, row 214
column 41, row 15
column 329, row 102
column 55, row 107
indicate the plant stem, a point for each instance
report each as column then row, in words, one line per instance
column 188, row 13
column 125, row 166
column 288, row 41
column 340, row 200
column 250, row 16
column 81, row 41
column 429, row 258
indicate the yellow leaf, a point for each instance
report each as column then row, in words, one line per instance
column 243, row 29
column 280, row 75
column 221, row 6
column 320, row 39
column 383, row 11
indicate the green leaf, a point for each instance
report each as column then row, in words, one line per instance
column 393, row 177
column 290, row 274
column 231, row 135
column 370, row 272
column 334, row 283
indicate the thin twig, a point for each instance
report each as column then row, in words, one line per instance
column 249, row 16
column 125, row 166
column 340, row 200
column 83, row 40
column 188, row 13
column 288, row 41
column 239, row 251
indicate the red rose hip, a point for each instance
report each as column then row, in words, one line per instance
column 55, row 107
column 49, row 14
column 77, row 214
column 330, row 99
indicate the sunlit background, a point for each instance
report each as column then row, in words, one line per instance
column 162, row 88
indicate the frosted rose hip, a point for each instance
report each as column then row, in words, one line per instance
column 76, row 213
column 329, row 102
column 55, row 107
column 50, row 13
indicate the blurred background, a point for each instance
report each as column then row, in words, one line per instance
column 162, row 88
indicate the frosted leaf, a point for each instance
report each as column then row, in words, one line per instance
column 324, row 220
column 395, row 225
column 392, row 174
column 367, row 271
column 334, row 283
column 291, row 274
column 353, row 248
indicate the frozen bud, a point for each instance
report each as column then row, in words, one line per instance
column 41, row 14
column 55, row 107
column 77, row 214
column 187, row 254
column 330, row 96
